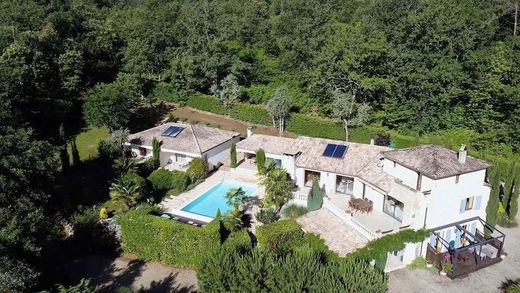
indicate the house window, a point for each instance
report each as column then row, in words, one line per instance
column 344, row 184
column 469, row 203
column 395, row 164
column 142, row 151
column 394, row 208
column 419, row 181
column 180, row 158
column 310, row 177
column 457, row 179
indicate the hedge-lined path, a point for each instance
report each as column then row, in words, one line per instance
column 109, row 273
column 489, row 279
column 223, row 122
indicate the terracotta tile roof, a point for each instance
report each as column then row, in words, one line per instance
column 270, row 144
column 192, row 139
column 434, row 161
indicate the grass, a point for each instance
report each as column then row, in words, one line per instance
column 87, row 142
column 418, row 264
column 294, row 211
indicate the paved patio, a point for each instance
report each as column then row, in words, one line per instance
column 338, row 236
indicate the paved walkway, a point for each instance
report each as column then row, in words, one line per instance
column 109, row 273
column 338, row 236
column 486, row 280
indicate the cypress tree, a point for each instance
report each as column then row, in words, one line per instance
column 260, row 161
column 156, row 152
column 233, row 156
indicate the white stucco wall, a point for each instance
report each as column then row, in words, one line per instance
column 219, row 154
column 408, row 176
column 444, row 202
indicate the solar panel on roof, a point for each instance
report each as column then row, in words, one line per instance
column 340, row 151
column 329, row 150
column 172, row 131
column 335, row 151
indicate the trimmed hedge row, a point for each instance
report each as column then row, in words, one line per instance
column 163, row 179
column 280, row 237
column 153, row 238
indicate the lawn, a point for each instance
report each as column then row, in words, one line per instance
column 88, row 141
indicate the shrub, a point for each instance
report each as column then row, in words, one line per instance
column 156, row 152
column 163, row 179
column 267, row 216
column 251, row 113
column 239, row 241
column 197, row 169
column 146, row 168
column 154, row 238
column 103, row 213
column 280, row 237
column 418, row 263
column 206, row 103
column 318, row 245
column 315, row 198
column 315, row 126
column 107, row 151
column 382, row 139
column 294, row 211
column 301, row 271
column 138, row 180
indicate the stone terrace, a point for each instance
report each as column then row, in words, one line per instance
column 338, row 236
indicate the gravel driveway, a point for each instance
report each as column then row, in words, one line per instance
column 489, row 279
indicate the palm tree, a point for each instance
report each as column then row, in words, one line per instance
column 278, row 188
column 125, row 191
column 236, row 196
column 123, row 165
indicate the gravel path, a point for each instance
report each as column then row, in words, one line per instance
column 109, row 273
column 489, row 279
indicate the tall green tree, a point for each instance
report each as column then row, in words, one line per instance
column 229, row 91
column 349, row 111
column 279, row 107
column 278, row 188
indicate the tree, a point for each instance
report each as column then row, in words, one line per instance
column 156, row 153
column 279, row 106
column 236, row 196
column 83, row 286
column 233, row 156
column 260, row 161
column 229, row 91
column 125, row 191
column 111, row 104
column 123, row 165
column 350, row 112
column 278, row 188
column 197, row 169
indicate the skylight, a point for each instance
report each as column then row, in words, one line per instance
column 172, row 131
column 335, row 151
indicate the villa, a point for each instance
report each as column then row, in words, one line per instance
column 180, row 143
column 370, row 190
column 377, row 190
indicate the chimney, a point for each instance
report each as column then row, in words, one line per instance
column 249, row 131
column 372, row 141
column 463, row 153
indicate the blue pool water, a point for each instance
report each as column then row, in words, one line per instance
column 215, row 199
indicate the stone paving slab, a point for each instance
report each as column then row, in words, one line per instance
column 337, row 234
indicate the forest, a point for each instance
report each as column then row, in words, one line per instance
column 415, row 67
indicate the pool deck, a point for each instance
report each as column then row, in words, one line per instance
column 174, row 204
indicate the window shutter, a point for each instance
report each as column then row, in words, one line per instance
column 478, row 201
column 462, row 205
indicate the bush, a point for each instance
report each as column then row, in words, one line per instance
column 280, row 237
column 315, row 126
column 294, row 211
column 239, row 241
column 163, row 179
column 301, row 271
column 206, row 103
column 267, row 216
column 418, row 263
column 107, row 151
column 315, row 198
column 138, row 180
column 197, row 169
column 146, row 168
column 251, row 113
column 153, row 238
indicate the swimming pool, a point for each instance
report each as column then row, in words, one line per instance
column 215, row 199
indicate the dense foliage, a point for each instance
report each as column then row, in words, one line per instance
column 197, row 169
column 294, row 211
column 315, row 197
column 267, row 216
column 153, row 238
column 299, row 271
column 280, row 237
column 163, row 179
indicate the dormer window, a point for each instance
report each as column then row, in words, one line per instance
column 457, row 178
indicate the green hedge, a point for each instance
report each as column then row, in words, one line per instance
column 163, row 179
column 153, row 238
column 206, row 103
column 315, row 126
column 280, row 237
column 251, row 113
column 239, row 241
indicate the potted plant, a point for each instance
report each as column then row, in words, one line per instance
column 446, row 265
